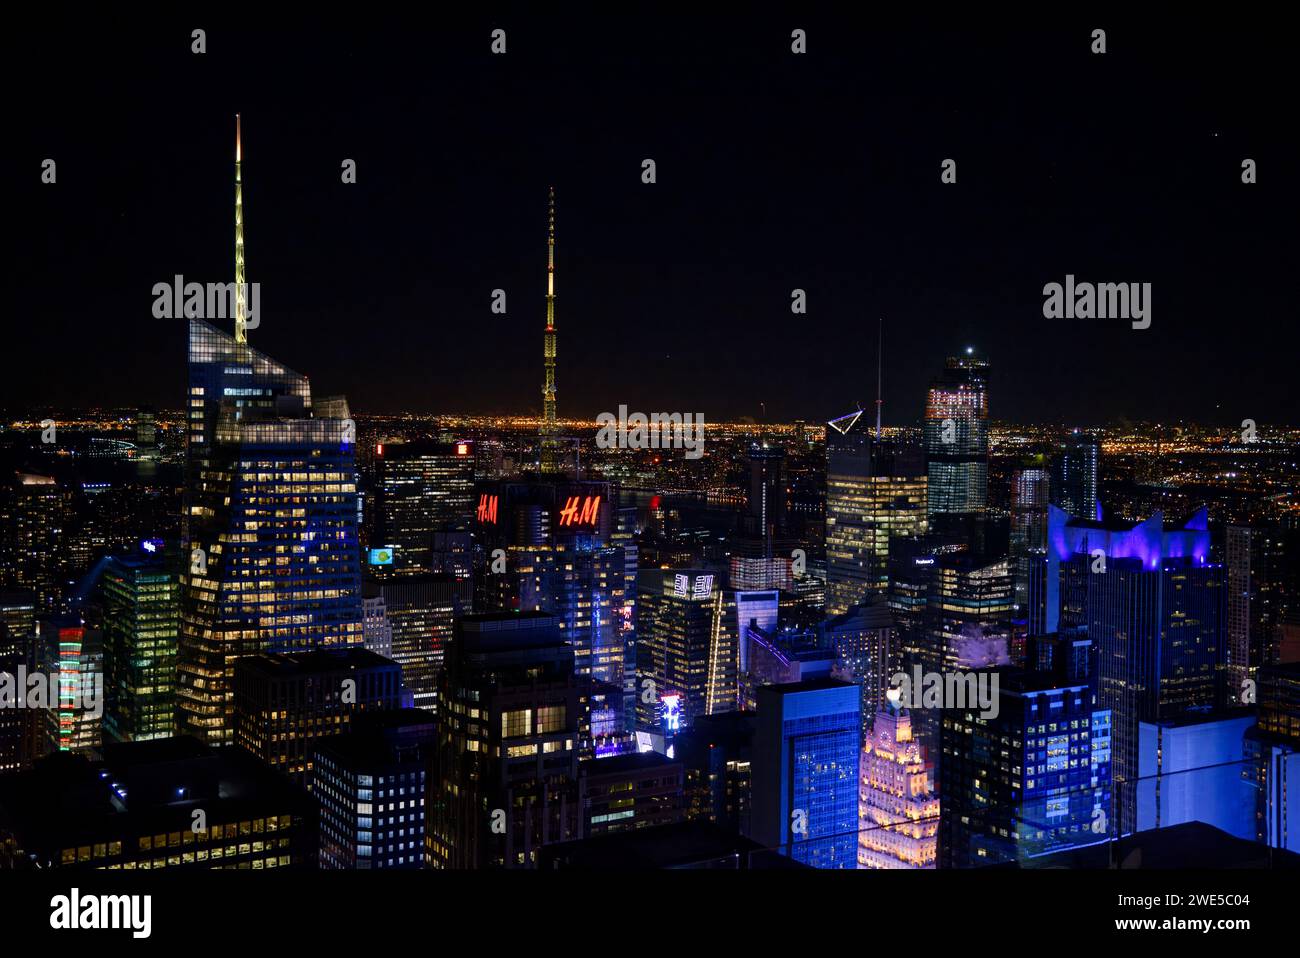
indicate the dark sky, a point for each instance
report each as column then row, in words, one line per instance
column 775, row 171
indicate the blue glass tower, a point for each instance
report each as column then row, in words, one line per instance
column 806, row 754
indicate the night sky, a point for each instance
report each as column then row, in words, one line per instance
column 775, row 171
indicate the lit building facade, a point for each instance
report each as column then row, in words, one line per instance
column 285, row 703
column 270, row 546
column 1154, row 608
column 875, row 492
column 371, row 784
column 506, row 781
column 957, row 446
column 420, row 488
column 899, row 811
column 806, row 771
column 73, row 653
column 1031, row 779
column 141, row 596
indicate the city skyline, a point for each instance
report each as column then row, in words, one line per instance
column 548, row 441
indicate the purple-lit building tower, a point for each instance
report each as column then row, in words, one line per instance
column 1153, row 606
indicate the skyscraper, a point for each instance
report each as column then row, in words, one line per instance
column 73, row 652
column 141, row 627
column 899, row 811
column 419, row 611
column 420, row 489
column 1260, row 604
column 269, row 532
column 1029, row 502
column 1154, row 608
column 507, row 759
column 286, row 703
column 806, row 754
column 1030, row 778
column 371, row 784
column 957, row 448
column 875, row 492
column 1074, row 475
column 33, row 516
column 677, row 649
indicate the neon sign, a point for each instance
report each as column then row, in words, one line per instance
column 672, row 713
column 487, row 508
column 574, row 515
column 700, row 588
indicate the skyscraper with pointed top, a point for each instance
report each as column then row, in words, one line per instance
column 272, row 560
column 875, row 492
column 550, row 454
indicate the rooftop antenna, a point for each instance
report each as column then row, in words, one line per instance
column 241, row 307
column 880, row 365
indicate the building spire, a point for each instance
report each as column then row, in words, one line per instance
column 880, row 365
column 241, row 305
column 549, row 463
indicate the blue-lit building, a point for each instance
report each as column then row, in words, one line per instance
column 1192, row 769
column 805, row 779
column 1031, row 779
column 1153, row 606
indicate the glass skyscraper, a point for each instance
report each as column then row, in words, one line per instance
column 957, row 445
column 270, row 548
column 141, row 626
column 875, row 492
column 806, row 763
column 1154, row 608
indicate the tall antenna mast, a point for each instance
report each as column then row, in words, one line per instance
column 241, row 307
column 549, row 429
column 880, row 365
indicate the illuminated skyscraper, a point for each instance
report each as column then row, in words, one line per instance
column 390, row 753
column 73, row 653
column 550, row 457
column 677, row 645
column 271, row 558
column 1029, row 501
column 957, row 448
column 875, row 491
column 141, row 627
column 421, row 488
column 806, row 762
column 1030, row 777
column 1261, row 601
column 506, row 781
column 1074, row 475
column 418, row 612
column 1154, row 608
column 33, row 516
column 899, row 811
